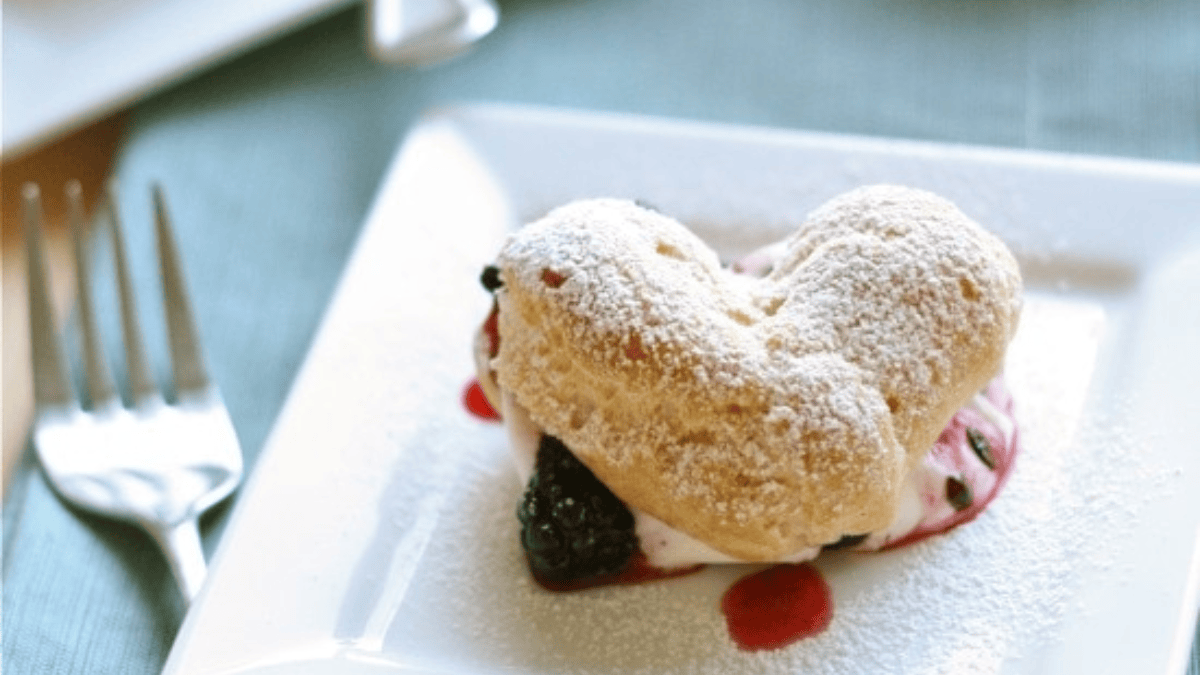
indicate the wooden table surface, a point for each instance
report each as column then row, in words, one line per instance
column 85, row 155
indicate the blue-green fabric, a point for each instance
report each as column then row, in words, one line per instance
column 270, row 161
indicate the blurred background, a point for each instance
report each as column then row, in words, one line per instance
column 270, row 125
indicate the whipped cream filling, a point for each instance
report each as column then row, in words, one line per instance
column 923, row 506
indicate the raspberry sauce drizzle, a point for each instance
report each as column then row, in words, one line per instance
column 477, row 403
column 951, row 449
column 777, row 606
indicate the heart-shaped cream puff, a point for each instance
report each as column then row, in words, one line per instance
column 760, row 415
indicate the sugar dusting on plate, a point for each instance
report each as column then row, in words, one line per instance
column 971, row 601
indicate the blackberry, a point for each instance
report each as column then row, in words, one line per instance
column 490, row 278
column 983, row 449
column 847, row 541
column 958, row 493
column 572, row 526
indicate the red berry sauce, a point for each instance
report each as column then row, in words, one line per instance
column 477, row 403
column 491, row 328
column 777, row 606
column 984, row 479
column 473, row 398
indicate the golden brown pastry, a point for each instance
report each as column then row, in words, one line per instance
column 762, row 416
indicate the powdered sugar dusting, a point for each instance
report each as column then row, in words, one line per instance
column 990, row 592
column 976, row 600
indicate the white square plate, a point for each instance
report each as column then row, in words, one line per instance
column 377, row 533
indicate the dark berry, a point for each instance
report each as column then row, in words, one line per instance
column 958, row 493
column 847, row 541
column 490, row 278
column 572, row 526
column 983, row 449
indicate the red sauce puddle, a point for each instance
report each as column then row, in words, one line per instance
column 473, row 398
column 769, row 609
column 777, row 606
column 477, row 403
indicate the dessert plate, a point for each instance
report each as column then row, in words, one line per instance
column 377, row 533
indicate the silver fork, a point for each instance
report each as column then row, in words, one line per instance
column 155, row 464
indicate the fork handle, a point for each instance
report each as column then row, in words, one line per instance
column 185, row 554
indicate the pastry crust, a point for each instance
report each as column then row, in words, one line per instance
column 766, row 415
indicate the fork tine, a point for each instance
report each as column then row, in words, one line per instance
column 99, row 377
column 51, row 380
column 141, row 385
column 187, row 361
